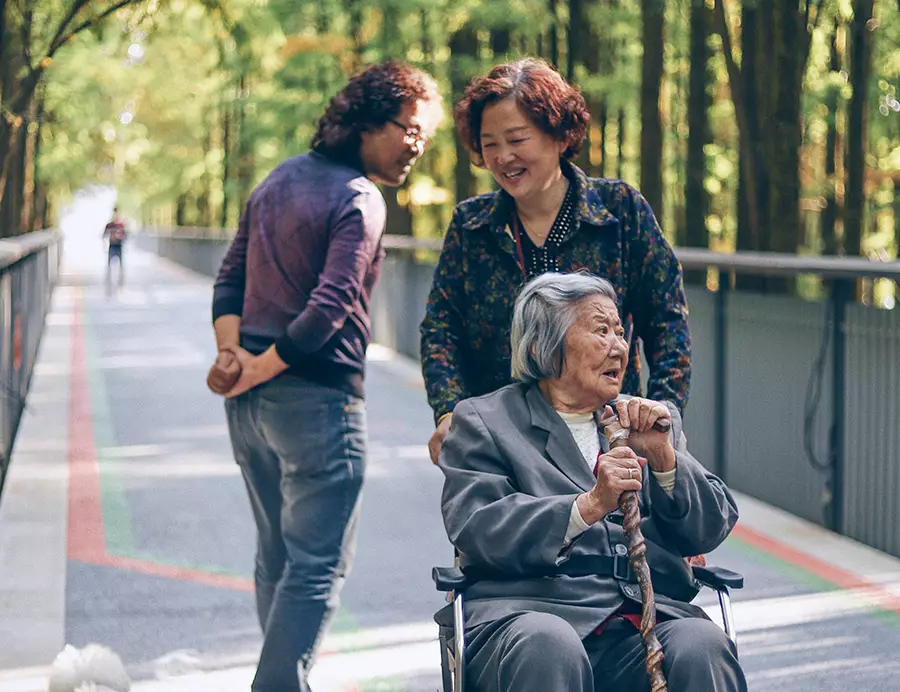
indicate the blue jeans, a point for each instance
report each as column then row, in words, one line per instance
column 301, row 448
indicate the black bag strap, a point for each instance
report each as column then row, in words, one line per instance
column 615, row 566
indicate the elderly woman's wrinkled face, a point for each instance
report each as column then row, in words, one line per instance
column 596, row 354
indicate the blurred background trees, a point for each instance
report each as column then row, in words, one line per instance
column 754, row 125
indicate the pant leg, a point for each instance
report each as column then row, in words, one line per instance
column 262, row 475
column 121, row 278
column 527, row 652
column 319, row 437
column 697, row 657
column 114, row 253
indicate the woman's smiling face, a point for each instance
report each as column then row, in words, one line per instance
column 523, row 159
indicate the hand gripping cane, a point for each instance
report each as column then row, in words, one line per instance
column 637, row 554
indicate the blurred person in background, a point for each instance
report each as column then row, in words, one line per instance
column 525, row 123
column 291, row 305
column 114, row 235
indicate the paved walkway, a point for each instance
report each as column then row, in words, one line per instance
column 124, row 522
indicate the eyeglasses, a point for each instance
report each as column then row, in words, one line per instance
column 414, row 135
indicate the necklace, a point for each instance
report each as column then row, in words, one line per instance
column 534, row 260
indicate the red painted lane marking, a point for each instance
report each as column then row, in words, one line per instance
column 86, row 539
column 87, row 542
column 155, row 569
column 824, row 570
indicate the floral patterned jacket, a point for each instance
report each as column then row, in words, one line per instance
column 465, row 347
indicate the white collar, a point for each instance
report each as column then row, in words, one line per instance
column 570, row 418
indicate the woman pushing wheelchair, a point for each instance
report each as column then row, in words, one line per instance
column 530, row 501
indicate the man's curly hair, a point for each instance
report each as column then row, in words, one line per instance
column 366, row 103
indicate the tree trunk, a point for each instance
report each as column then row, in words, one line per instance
column 226, row 165
column 553, row 33
column 181, row 210
column 896, row 209
column 426, row 39
column 463, row 52
column 13, row 139
column 653, row 21
column 2, row 42
column 750, row 198
column 204, row 198
column 325, row 74
column 13, row 194
column 749, row 177
column 32, row 143
column 602, row 119
column 575, row 35
column 46, row 206
column 587, row 50
column 696, row 198
column 620, row 146
column 356, row 30
column 787, row 136
column 245, row 161
column 857, row 126
column 399, row 216
column 500, row 43
column 830, row 213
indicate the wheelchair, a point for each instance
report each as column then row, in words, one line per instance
column 452, row 640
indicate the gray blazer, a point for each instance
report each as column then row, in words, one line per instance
column 512, row 471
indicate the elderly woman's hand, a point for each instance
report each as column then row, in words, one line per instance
column 617, row 471
column 639, row 415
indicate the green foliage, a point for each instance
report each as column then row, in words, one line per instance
column 227, row 89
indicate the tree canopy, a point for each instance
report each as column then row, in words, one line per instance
column 751, row 125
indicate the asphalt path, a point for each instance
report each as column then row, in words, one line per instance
column 159, row 565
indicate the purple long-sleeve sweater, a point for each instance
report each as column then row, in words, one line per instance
column 301, row 269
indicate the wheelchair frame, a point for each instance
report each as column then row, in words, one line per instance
column 452, row 581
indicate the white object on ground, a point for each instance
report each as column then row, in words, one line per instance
column 95, row 668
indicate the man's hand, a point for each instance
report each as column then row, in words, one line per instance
column 437, row 438
column 618, row 470
column 225, row 372
column 639, row 415
column 255, row 370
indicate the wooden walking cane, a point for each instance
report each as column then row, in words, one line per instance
column 637, row 555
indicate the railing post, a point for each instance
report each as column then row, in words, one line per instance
column 720, row 392
column 841, row 292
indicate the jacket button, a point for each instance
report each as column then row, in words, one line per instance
column 621, row 549
column 630, row 591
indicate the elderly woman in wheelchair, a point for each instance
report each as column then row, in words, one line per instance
column 530, row 502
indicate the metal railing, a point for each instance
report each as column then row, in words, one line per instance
column 843, row 319
column 29, row 268
column 792, row 401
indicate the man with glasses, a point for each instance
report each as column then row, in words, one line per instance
column 291, row 318
column 414, row 135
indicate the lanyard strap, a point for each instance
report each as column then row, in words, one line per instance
column 520, row 255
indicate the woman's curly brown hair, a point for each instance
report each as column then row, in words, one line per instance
column 552, row 105
column 366, row 103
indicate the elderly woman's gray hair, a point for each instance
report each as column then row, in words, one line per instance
column 544, row 311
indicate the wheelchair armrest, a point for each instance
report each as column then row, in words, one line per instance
column 449, row 578
column 718, row 577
